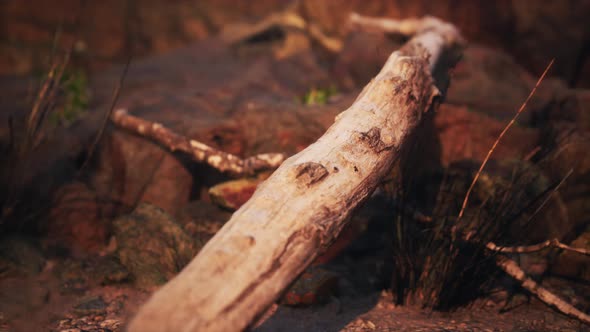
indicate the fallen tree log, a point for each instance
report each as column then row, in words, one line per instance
column 302, row 207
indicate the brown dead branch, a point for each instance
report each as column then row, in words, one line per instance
column 511, row 268
column 301, row 208
column 222, row 161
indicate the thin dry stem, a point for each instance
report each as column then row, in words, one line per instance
column 101, row 130
column 483, row 164
column 550, row 195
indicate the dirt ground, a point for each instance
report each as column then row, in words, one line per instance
column 371, row 312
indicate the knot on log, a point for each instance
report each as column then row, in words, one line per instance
column 373, row 139
column 309, row 173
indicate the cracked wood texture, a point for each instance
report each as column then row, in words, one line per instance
column 301, row 208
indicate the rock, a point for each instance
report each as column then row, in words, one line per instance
column 565, row 107
column 79, row 275
column 73, row 276
column 131, row 169
column 19, row 256
column 573, row 265
column 201, row 220
column 538, row 41
column 74, row 221
column 151, row 245
column 357, row 64
column 90, row 323
column 233, row 194
column 176, row 25
column 565, row 125
column 21, row 296
column 109, row 270
column 314, row 286
column 464, row 134
column 538, row 31
column 489, row 81
column 90, row 306
column 216, row 98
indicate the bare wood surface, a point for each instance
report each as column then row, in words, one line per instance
column 200, row 152
column 302, row 207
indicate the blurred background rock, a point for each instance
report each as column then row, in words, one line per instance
column 106, row 32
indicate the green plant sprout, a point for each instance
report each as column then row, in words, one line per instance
column 319, row 96
column 75, row 97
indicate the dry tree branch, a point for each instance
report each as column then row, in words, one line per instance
column 511, row 268
column 301, row 208
column 555, row 243
column 222, row 161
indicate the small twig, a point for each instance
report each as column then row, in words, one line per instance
column 35, row 110
column 485, row 161
column 49, row 102
column 550, row 195
column 107, row 116
column 544, row 295
column 222, row 161
column 555, row 243
column 532, row 153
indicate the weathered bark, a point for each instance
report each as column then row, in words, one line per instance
column 302, row 207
